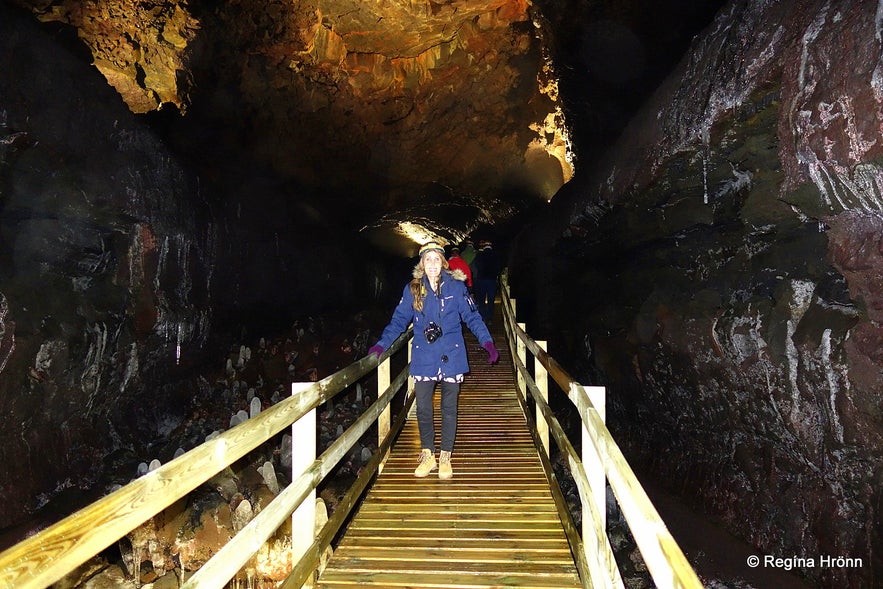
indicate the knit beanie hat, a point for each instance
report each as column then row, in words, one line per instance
column 432, row 246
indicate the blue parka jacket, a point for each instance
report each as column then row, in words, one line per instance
column 452, row 303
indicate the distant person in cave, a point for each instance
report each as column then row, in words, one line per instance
column 455, row 262
column 438, row 303
column 467, row 251
column 486, row 270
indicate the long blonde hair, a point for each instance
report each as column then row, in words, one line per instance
column 418, row 289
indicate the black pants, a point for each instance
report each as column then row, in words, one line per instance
column 423, row 391
column 484, row 293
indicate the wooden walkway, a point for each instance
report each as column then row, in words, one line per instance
column 494, row 524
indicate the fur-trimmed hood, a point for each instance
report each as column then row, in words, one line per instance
column 418, row 273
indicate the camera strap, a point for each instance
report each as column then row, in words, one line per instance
column 440, row 307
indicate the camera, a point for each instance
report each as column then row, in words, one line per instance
column 432, row 332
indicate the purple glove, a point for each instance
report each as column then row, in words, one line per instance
column 375, row 350
column 493, row 354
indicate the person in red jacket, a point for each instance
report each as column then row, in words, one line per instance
column 455, row 262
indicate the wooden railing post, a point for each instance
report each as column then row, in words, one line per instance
column 383, row 420
column 541, row 378
column 510, row 328
column 303, row 454
column 521, row 350
column 597, row 479
column 598, row 398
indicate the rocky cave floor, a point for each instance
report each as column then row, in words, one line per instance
column 254, row 376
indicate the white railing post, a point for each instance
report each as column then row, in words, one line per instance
column 383, row 420
column 598, row 398
column 521, row 350
column 541, row 378
column 303, row 454
column 510, row 328
column 597, row 395
column 597, row 482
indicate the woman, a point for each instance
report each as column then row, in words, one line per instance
column 436, row 301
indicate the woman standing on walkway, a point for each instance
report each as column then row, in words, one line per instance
column 436, row 301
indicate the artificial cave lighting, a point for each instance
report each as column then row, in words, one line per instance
column 552, row 135
column 418, row 234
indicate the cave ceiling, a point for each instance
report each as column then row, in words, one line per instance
column 375, row 115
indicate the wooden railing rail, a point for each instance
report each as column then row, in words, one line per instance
column 49, row 555
column 600, row 462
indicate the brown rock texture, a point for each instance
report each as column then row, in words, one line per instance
column 160, row 160
column 426, row 102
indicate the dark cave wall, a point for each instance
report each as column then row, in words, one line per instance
column 105, row 266
column 720, row 274
column 112, row 255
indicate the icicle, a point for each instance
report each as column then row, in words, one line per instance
column 705, row 177
column 178, row 348
column 242, row 515
column 254, row 408
column 238, row 418
column 358, row 392
column 268, row 473
column 705, row 137
column 285, row 452
column 136, row 558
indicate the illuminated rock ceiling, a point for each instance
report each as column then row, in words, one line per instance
column 443, row 114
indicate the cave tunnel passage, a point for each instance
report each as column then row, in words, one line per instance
column 687, row 198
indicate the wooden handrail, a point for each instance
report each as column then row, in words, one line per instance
column 56, row 551
column 666, row 562
column 237, row 552
column 49, row 555
column 307, row 565
column 575, row 465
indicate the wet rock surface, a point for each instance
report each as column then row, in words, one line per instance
column 171, row 546
column 719, row 274
column 121, row 280
column 719, row 271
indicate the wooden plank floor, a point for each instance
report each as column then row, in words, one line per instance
column 494, row 524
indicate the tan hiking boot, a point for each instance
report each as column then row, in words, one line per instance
column 426, row 464
column 444, row 465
